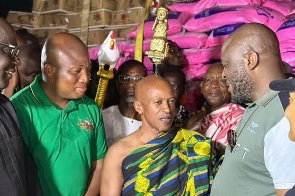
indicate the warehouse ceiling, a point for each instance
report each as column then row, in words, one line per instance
column 16, row 5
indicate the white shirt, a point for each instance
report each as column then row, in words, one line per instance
column 116, row 125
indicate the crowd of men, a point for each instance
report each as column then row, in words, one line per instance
column 56, row 141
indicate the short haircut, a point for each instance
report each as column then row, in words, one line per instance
column 175, row 70
column 130, row 64
column 23, row 33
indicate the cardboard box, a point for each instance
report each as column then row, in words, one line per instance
column 51, row 20
column 44, row 32
column 126, row 4
column 97, row 19
column 103, row 4
column 78, row 5
column 95, row 36
column 24, row 18
column 129, row 16
column 53, row 6
column 73, row 20
column 121, row 32
column 96, row 4
column 100, row 18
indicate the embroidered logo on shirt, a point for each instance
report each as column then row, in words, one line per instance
column 86, row 124
column 254, row 124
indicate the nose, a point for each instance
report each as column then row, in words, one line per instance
column 167, row 107
column 85, row 76
column 131, row 83
column 215, row 83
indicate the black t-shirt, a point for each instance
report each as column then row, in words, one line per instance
column 291, row 192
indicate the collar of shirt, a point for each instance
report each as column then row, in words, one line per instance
column 42, row 98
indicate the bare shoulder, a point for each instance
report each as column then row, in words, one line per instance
column 123, row 147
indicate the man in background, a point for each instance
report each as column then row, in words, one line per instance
column 18, row 173
column 29, row 59
column 122, row 119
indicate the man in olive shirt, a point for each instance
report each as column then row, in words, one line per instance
column 259, row 160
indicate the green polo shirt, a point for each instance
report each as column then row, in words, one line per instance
column 63, row 142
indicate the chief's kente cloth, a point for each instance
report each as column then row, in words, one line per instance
column 177, row 163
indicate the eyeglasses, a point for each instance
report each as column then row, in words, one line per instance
column 127, row 79
column 231, row 139
column 14, row 49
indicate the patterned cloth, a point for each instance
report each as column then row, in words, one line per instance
column 181, row 117
column 216, row 124
column 177, row 163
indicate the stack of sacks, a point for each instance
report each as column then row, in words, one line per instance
column 219, row 18
column 286, row 35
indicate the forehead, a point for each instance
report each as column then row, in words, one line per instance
column 160, row 92
column 173, row 45
column 214, row 70
column 134, row 70
column 172, row 77
column 76, row 56
column 9, row 39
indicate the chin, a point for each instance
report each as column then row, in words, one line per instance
column 3, row 84
column 292, row 135
column 77, row 96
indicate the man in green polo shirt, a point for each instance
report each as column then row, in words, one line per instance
column 63, row 128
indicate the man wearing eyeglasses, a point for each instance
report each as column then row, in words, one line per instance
column 259, row 159
column 122, row 119
column 29, row 63
column 18, row 175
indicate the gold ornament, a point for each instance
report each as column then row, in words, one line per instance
column 159, row 47
column 104, row 77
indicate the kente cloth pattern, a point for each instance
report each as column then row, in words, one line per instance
column 216, row 124
column 177, row 163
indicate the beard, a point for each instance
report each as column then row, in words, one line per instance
column 242, row 85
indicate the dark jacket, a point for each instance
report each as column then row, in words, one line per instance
column 18, row 172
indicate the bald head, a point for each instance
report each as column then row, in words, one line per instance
column 7, row 33
column 59, row 45
column 253, row 37
column 155, row 102
column 250, row 52
column 149, row 83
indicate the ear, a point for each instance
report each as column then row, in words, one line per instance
column 201, row 87
column 138, row 107
column 49, row 70
column 251, row 60
column 17, row 61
